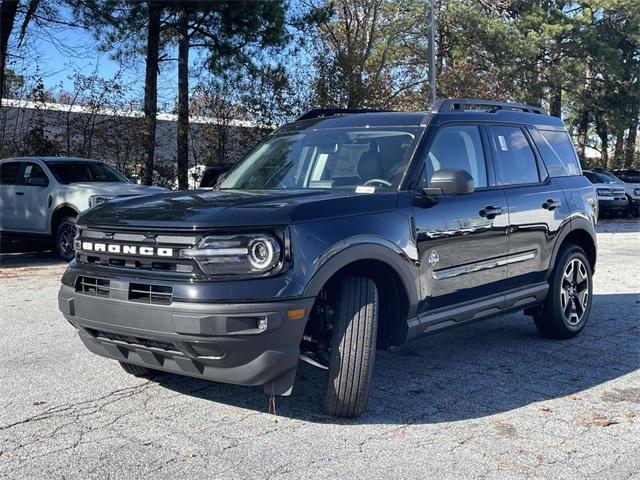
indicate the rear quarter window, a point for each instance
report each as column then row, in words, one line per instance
column 557, row 152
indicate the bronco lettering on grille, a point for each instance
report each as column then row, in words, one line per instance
column 127, row 249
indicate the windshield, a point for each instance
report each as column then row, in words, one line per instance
column 329, row 158
column 608, row 177
column 74, row 172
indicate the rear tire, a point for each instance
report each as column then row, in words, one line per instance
column 568, row 303
column 136, row 370
column 353, row 348
column 65, row 233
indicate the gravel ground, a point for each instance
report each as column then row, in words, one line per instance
column 492, row 400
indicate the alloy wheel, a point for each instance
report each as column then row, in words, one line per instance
column 66, row 234
column 574, row 292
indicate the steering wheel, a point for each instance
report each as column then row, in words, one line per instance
column 378, row 181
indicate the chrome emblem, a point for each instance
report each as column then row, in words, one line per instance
column 434, row 258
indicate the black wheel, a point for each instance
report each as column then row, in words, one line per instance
column 353, row 348
column 136, row 370
column 568, row 303
column 65, row 233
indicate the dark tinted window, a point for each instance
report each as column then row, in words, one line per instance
column 515, row 161
column 557, row 152
column 592, row 177
column 33, row 175
column 457, row 147
column 74, row 172
column 9, row 172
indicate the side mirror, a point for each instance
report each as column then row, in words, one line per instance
column 450, row 182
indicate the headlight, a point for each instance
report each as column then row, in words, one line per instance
column 257, row 254
column 98, row 199
column 603, row 192
column 636, row 192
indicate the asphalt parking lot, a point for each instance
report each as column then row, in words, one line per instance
column 492, row 400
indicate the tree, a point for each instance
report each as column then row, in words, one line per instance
column 122, row 25
column 236, row 36
column 369, row 53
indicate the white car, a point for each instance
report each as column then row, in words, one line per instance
column 612, row 198
column 42, row 196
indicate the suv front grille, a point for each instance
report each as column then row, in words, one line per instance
column 99, row 287
column 152, row 294
column 122, row 250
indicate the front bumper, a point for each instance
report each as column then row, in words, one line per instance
column 610, row 204
column 228, row 343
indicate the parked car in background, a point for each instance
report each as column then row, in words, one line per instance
column 631, row 180
column 212, row 174
column 42, row 196
column 612, row 198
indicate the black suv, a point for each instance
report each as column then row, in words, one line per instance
column 344, row 232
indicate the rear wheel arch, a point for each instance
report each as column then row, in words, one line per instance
column 580, row 233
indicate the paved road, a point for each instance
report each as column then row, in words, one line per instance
column 492, row 400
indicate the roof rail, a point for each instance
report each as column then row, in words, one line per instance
column 459, row 104
column 329, row 112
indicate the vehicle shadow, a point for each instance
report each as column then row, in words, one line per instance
column 470, row 372
column 27, row 253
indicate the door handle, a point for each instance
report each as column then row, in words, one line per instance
column 19, row 193
column 491, row 212
column 551, row 204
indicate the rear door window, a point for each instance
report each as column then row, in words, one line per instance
column 515, row 161
column 9, row 173
column 557, row 152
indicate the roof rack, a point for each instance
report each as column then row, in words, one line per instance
column 459, row 104
column 330, row 112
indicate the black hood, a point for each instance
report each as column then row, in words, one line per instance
column 198, row 209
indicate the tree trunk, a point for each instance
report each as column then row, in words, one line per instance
column 183, row 100
column 618, row 149
column 583, row 126
column 8, row 10
column 602, row 129
column 151, row 89
column 630, row 147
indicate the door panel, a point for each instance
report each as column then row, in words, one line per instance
column 8, row 211
column 462, row 253
column 462, row 241
column 536, row 214
column 536, row 205
column 32, row 194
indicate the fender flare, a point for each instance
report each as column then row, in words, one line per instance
column 57, row 209
column 392, row 256
column 575, row 224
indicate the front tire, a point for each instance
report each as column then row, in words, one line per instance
column 568, row 303
column 353, row 348
column 65, row 233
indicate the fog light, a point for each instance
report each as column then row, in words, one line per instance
column 262, row 324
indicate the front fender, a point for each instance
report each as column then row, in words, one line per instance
column 366, row 247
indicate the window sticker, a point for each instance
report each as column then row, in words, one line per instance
column 503, row 143
column 365, row 189
column 573, row 170
column 27, row 171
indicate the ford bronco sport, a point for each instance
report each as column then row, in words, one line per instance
column 344, row 232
